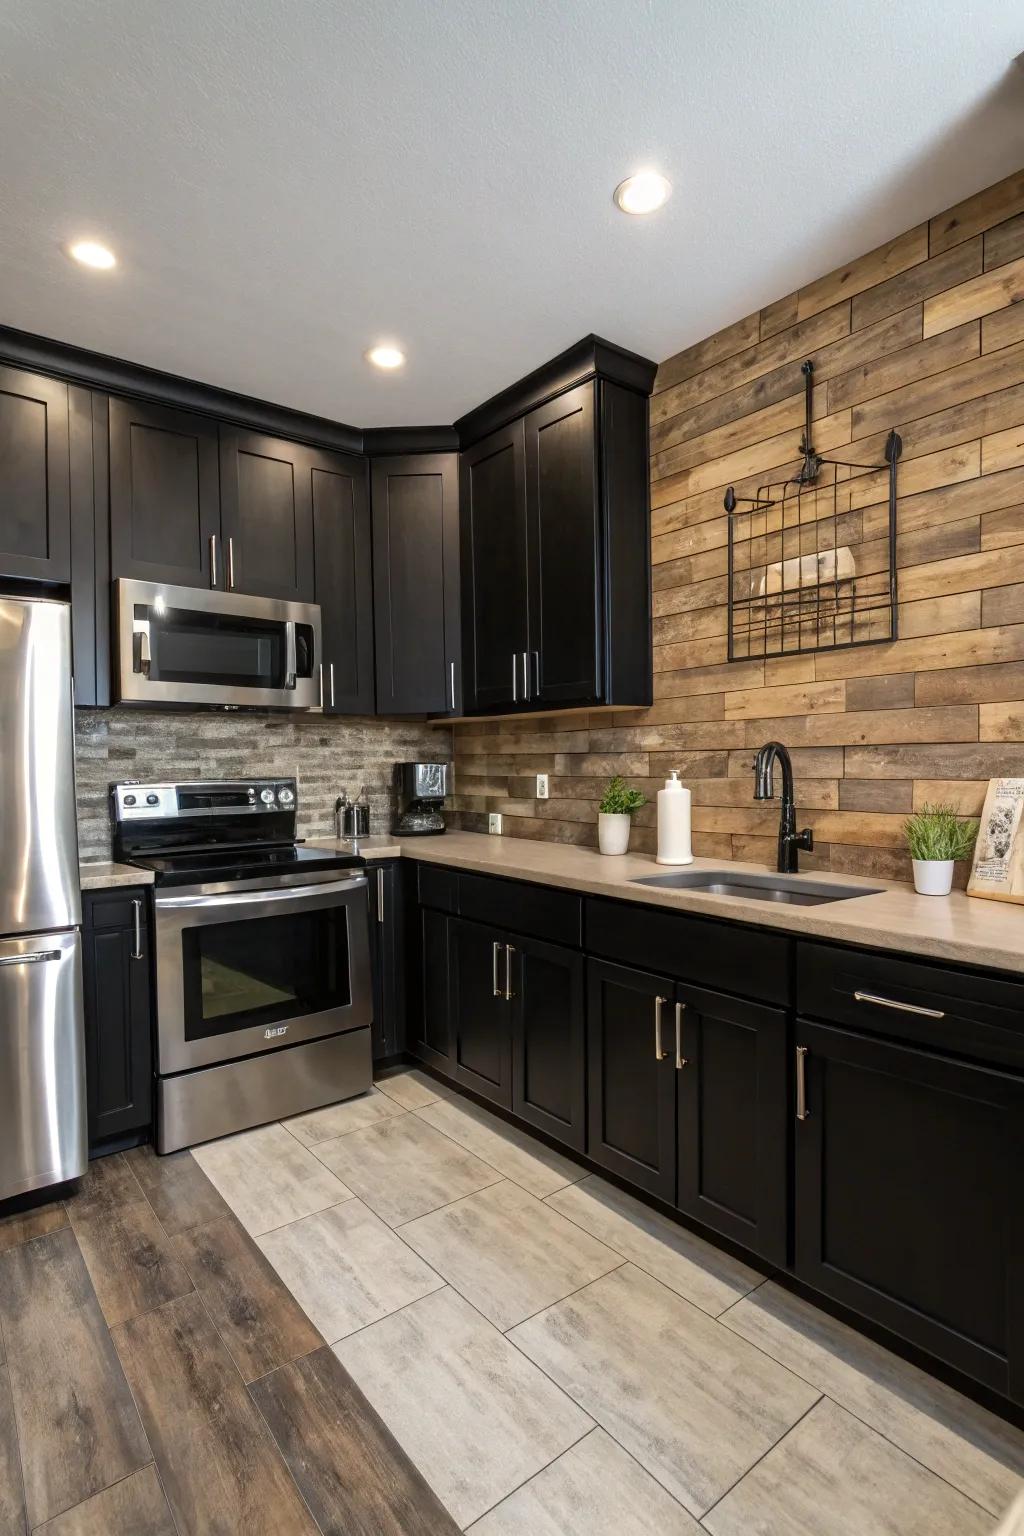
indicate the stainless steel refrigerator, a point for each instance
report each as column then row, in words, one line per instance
column 42, row 1053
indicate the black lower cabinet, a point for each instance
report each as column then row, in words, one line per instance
column 631, row 1076
column 481, row 998
column 118, row 1016
column 732, row 1117
column 387, row 910
column 430, row 1022
column 548, row 1039
column 909, row 1172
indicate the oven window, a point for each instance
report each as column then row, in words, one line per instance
column 264, row 971
column 188, row 646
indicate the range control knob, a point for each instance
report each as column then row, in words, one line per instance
column 267, row 796
column 152, row 799
column 286, row 795
column 129, row 799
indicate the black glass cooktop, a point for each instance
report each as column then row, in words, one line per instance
column 202, row 865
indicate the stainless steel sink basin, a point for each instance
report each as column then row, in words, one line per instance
column 794, row 890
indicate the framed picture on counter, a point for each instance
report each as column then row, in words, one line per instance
column 998, row 871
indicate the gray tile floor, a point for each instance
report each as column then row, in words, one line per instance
column 559, row 1360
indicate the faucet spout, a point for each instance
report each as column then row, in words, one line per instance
column 790, row 840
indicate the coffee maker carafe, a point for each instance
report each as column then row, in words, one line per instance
column 420, row 789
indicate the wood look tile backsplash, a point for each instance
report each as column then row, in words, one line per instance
column 925, row 334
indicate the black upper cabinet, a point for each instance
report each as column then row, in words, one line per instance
column 731, row 1063
column 35, row 518
column 164, row 495
column 343, row 587
column 415, row 499
column 909, row 1171
column 563, row 541
column 266, row 487
column 556, row 557
column 495, row 581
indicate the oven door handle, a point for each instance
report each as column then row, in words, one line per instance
column 259, row 898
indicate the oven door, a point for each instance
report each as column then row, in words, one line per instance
column 181, row 645
column 246, row 971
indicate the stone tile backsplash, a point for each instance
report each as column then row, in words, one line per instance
column 325, row 754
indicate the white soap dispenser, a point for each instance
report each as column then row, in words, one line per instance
column 674, row 822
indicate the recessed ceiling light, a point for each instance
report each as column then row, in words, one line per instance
column 91, row 254
column 642, row 193
column 385, row 357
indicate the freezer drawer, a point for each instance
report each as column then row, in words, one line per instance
column 42, row 1062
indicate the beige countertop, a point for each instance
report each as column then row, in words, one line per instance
column 100, row 875
column 955, row 928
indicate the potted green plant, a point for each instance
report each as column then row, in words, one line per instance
column 613, row 815
column 936, row 838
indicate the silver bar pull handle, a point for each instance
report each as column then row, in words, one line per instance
column 681, row 1060
column 451, row 684
column 290, row 662
column 509, row 952
column 231, row 564
column 494, row 969
column 137, row 912
column 890, row 1002
column 32, row 957
column 142, row 656
column 659, row 1003
column 331, row 672
column 535, row 674
column 527, row 690
column 380, row 896
column 213, row 560
column 802, row 1111
column 515, row 678
column 321, row 685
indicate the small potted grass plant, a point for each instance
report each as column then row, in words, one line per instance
column 614, row 815
column 936, row 838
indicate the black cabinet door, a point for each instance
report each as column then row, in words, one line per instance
column 548, row 1038
column 481, row 1001
column 118, row 1047
column 337, row 486
column 909, row 1172
column 386, row 949
column 35, row 508
column 431, row 1024
column 731, row 1070
column 164, row 495
column 415, row 501
column 631, row 1076
column 495, row 624
column 266, row 515
column 563, row 532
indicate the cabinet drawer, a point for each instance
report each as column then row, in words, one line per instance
column 956, row 1011
column 538, row 910
column 438, row 888
column 114, row 909
column 726, row 956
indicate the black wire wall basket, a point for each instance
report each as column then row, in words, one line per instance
column 812, row 559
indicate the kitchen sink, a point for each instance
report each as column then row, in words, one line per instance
column 794, row 890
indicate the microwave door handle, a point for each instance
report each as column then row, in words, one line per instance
column 290, row 655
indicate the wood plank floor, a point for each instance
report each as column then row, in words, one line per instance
column 158, row 1379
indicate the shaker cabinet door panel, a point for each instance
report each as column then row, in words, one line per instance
column 431, row 1022
column 35, row 509
column 118, row 1047
column 416, row 583
column 563, row 530
column 267, row 516
column 909, row 1171
column 481, row 1011
column 164, row 495
column 548, row 1038
column 492, row 507
column 344, row 584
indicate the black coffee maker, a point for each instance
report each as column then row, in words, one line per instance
column 420, row 789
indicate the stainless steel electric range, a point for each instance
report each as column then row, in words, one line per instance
column 263, row 991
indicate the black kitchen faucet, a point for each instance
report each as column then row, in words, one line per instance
column 790, row 840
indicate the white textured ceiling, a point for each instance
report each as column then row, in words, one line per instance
column 287, row 183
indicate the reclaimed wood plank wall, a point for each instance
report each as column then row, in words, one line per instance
column 925, row 334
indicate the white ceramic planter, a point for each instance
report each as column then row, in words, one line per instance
column 933, row 877
column 613, row 832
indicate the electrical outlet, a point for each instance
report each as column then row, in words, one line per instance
column 542, row 786
column 494, row 822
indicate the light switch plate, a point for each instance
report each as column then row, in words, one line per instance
column 494, row 821
column 542, row 786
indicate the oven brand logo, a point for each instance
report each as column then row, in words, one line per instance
column 272, row 1034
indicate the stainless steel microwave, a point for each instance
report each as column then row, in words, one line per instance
column 186, row 646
